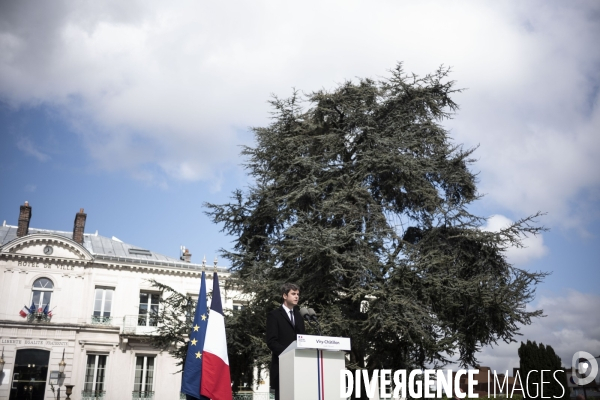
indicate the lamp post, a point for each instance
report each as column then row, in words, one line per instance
column 2, row 362
column 61, row 370
column 62, row 364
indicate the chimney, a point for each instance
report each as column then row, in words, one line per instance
column 186, row 256
column 79, row 226
column 24, row 218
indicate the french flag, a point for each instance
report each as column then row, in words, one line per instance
column 216, row 380
column 47, row 312
column 24, row 312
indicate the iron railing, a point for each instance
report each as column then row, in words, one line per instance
column 100, row 320
column 253, row 396
column 142, row 395
column 243, row 396
column 150, row 319
column 92, row 394
column 140, row 324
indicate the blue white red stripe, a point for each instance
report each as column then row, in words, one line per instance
column 320, row 376
column 24, row 312
column 192, row 371
column 216, row 380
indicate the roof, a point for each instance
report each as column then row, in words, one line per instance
column 98, row 245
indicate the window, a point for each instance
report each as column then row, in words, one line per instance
column 102, row 305
column 94, row 375
column 41, row 293
column 237, row 307
column 144, row 376
column 141, row 252
column 148, row 311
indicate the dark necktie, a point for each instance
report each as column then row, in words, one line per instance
column 292, row 318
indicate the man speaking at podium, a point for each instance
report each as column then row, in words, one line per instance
column 283, row 324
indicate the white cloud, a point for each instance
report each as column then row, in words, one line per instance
column 572, row 323
column 172, row 87
column 26, row 145
column 533, row 246
column 538, row 123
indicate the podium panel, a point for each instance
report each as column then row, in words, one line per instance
column 310, row 374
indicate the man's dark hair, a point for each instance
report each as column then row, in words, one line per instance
column 286, row 287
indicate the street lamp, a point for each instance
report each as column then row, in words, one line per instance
column 61, row 371
column 62, row 364
column 2, row 362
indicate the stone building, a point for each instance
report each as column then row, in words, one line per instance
column 92, row 306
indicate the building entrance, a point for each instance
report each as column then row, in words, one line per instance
column 30, row 375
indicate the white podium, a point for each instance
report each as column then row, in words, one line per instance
column 309, row 369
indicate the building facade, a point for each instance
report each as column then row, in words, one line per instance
column 86, row 299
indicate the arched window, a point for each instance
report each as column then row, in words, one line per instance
column 41, row 293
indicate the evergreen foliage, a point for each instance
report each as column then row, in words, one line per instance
column 362, row 199
column 533, row 357
column 246, row 347
column 174, row 321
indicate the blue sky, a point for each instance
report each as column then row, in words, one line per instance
column 136, row 112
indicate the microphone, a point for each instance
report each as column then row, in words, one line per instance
column 305, row 314
column 312, row 316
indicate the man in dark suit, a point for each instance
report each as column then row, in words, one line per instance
column 283, row 324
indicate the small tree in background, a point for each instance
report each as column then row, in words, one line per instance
column 247, row 348
column 533, row 357
column 174, row 322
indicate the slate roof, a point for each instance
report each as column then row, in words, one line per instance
column 95, row 244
